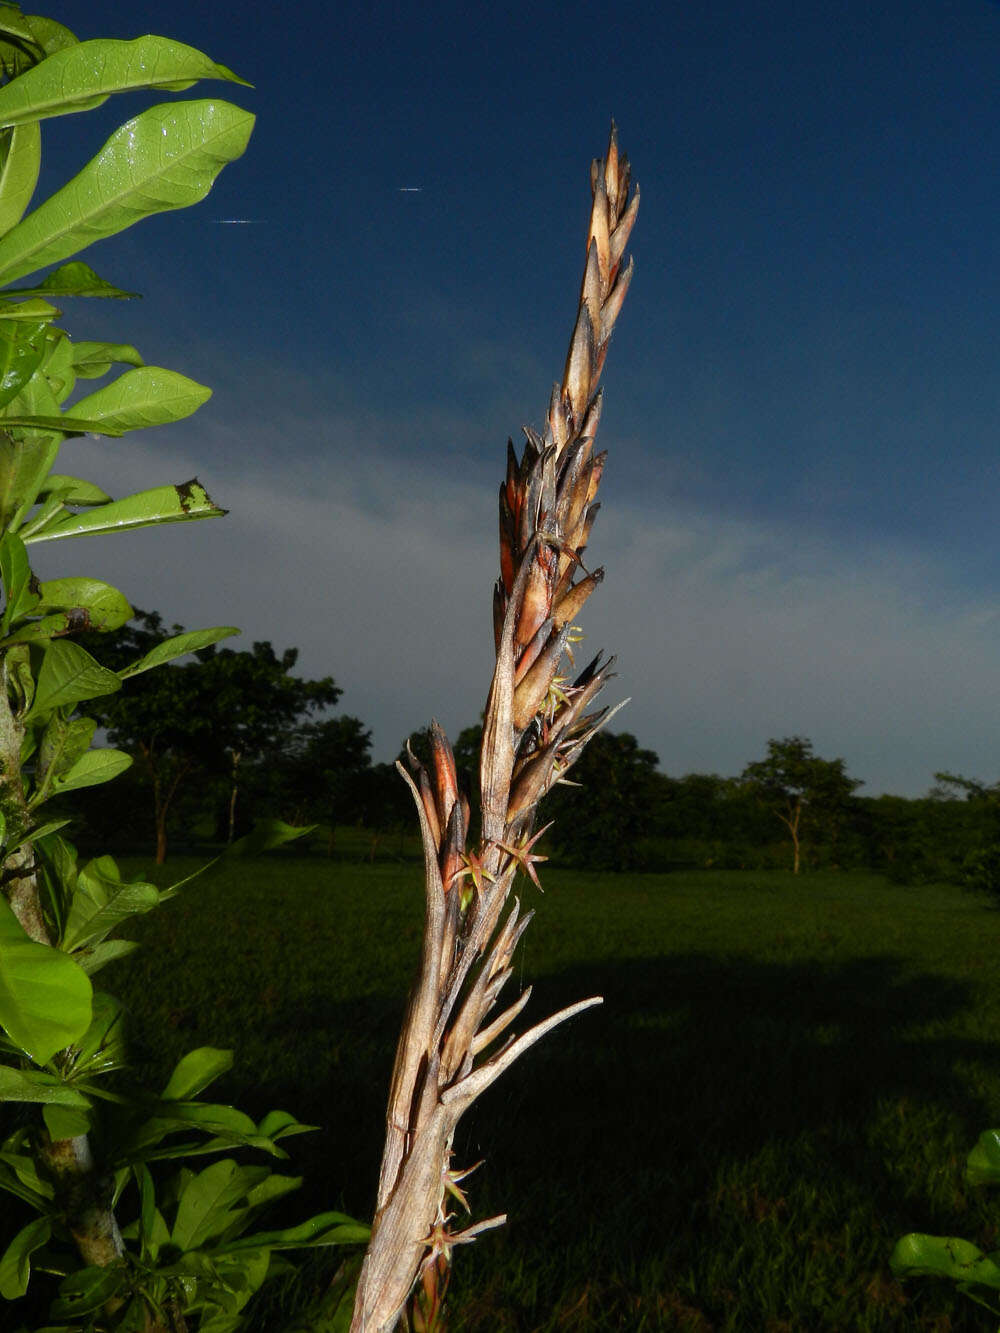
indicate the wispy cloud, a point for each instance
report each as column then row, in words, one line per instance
column 380, row 570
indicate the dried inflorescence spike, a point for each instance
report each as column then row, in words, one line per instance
column 536, row 724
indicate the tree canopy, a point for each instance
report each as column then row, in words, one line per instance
column 801, row 789
column 209, row 713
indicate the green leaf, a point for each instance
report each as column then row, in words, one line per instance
column 104, row 607
column 32, row 1085
column 33, row 834
column 167, row 157
column 91, row 359
column 195, row 1071
column 943, row 1256
column 56, row 421
column 15, row 573
column 45, row 999
column 63, row 742
column 163, row 504
column 95, row 956
column 74, row 279
column 279, row 1124
column 102, row 901
column 82, row 76
column 95, row 767
column 65, row 1122
column 22, row 348
column 15, row 1266
column 203, row 1209
column 104, row 1038
column 190, row 642
column 87, row 1290
column 50, row 35
column 73, row 490
column 24, row 466
column 983, row 1163
column 68, row 675
column 147, row 396
column 323, row 1229
column 25, row 1168
column 21, row 152
column 265, row 835
column 37, row 310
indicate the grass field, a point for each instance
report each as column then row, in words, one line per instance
column 785, row 1076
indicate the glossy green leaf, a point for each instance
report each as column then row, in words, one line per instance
column 983, row 1164
column 73, row 490
column 204, row 1205
column 147, row 396
column 239, row 1277
column 192, row 641
column 69, row 425
column 323, row 1229
column 49, row 627
column 33, row 1085
column 74, row 279
column 50, row 35
column 279, row 1124
column 33, row 308
column 45, row 999
column 87, row 1290
column 22, row 348
column 23, row 469
column 33, row 834
column 105, row 1032
column 96, row 766
column 163, row 504
column 69, row 675
column 21, row 151
column 265, row 835
column 95, row 956
column 167, row 157
column 106, row 608
column 195, row 1071
column 63, row 742
column 944, row 1256
column 15, row 574
column 82, row 76
column 16, row 25
column 93, row 359
column 57, row 365
column 66, row 1122
column 15, row 1265
column 25, row 1168
column 103, row 900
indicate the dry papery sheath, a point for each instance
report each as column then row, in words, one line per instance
column 537, row 722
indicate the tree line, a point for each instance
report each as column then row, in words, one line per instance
column 229, row 735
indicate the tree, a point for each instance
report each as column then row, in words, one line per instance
column 322, row 772
column 206, row 715
column 801, row 789
column 600, row 824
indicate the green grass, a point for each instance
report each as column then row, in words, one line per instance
column 785, row 1076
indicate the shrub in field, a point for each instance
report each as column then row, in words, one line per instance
column 103, row 1235
column 536, row 726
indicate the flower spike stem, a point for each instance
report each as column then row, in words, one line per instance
column 537, row 721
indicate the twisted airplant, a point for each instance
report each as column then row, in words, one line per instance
column 537, row 722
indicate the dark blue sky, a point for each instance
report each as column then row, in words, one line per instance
column 803, row 395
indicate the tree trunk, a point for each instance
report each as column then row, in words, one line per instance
column 232, row 797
